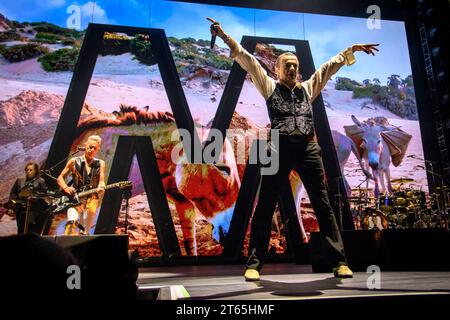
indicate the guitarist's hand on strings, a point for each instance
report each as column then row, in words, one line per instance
column 101, row 191
column 70, row 191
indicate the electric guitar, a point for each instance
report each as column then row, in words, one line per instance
column 65, row 202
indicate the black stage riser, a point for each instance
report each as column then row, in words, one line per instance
column 66, row 267
column 102, row 258
column 101, row 250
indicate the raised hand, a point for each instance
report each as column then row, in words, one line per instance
column 369, row 48
column 216, row 29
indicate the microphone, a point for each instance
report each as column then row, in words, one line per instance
column 81, row 148
column 213, row 38
column 213, row 28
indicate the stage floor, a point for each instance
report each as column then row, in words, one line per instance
column 283, row 281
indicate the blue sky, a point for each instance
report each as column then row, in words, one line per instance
column 327, row 34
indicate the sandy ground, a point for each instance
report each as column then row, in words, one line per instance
column 116, row 80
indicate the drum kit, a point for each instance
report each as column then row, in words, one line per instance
column 406, row 207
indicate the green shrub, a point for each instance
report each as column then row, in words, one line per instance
column 397, row 96
column 45, row 41
column 141, row 47
column 60, row 60
column 363, row 92
column 22, row 52
column 343, row 83
column 9, row 35
column 114, row 44
column 218, row 61
column 52, row 38
column 204, row 43
column 52, row 28
column 188, row 43
column 16, row 24
column 69, row 42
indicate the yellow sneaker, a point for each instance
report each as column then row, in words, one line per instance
column 342, row 271
column 251, row 275
column 70, row 229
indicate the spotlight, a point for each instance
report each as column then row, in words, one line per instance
column 432, row 32
column 435, row 51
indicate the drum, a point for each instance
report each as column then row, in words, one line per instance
column 417, row 197
column 386, row 203
column 400, row 198
column 401, row 218
column 374, row 220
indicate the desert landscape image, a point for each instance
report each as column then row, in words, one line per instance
column 36, row 66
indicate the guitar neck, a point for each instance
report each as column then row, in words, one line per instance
column 92, row 191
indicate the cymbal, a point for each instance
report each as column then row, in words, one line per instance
column 362, row 189
column 402, row 180
column 359, row 201
column 358, row 197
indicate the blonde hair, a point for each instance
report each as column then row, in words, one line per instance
column 95, row 138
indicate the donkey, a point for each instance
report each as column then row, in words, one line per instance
column 376, row 154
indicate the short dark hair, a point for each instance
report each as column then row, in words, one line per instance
column 288, row 53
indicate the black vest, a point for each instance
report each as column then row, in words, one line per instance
column 290, row 112
column 81, row 179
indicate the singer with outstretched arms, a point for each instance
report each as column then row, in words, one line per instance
column 289, row 104
column 87, row 173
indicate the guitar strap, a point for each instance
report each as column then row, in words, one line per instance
column 94, row 170
column 83, row 173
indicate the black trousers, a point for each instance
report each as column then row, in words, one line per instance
column 305, row 156
column 39, row 221
column 20, row 219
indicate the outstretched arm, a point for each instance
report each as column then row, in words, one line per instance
column 319, row 79
column 263, row 83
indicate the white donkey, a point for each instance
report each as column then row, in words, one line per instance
column 375, row 153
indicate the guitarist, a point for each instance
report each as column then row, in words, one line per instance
column 87, row 173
